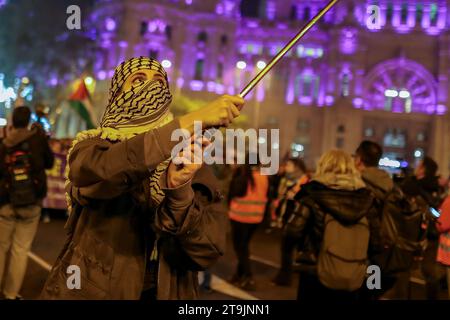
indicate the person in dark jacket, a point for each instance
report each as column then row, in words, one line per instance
column 367, row 157
column 18, row 224
column 138, row 228
column 335, row 189
column 425, row 185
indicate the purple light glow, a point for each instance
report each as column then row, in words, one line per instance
column 111, row 73
column 110, row 24
column 211, row 85
column 348, row 41
column 441, row 109
column 219, row 9
column 180, row 82
column 271, row 9
column 260, row 94
column 188, row 2
column 433, row 31
column 397, row 15
column 290, row 94
column 402, row 29
column 430, row 109
column 329, row 100
column 197, row 85
column 220, row 89
column 305, row 100
column 101, row 75
column 156, row 25
column 358, row 102
column 53, row 81
column 252, row 24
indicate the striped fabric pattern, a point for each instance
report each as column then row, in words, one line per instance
column 145, row 103
column 250, row 208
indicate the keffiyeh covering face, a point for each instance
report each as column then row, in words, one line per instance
column 143, row 107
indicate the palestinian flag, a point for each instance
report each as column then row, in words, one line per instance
column 80, row 101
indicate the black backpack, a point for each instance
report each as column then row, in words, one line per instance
column 403, row 230
column 21, row 186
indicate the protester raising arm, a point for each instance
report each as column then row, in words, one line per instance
column 102, row 170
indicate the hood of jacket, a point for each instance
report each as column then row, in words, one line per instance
column 377, row 178
column 17, row 136
column 347, row 206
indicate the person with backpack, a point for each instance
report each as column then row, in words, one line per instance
column 247, row 200
column 378, row 181
column 337, row 227
column 402, row 220
column 24, row 156
column 424, row 187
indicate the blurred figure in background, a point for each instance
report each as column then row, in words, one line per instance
column 272, row 199
column 24, row 156
column 294, row 177
column 247, row 200
column 443, row 226
column 425, row 184
column 336, row 223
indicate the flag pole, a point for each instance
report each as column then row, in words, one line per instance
column 289, row 46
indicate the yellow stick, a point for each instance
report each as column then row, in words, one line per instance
column 280, row 54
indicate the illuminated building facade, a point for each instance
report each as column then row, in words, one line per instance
column 370, row 70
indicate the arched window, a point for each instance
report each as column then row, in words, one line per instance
column 401, row 85
column 307, row 87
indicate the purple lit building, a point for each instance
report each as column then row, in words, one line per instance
column 370, row 70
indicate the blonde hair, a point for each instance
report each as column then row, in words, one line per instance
column 336, row 162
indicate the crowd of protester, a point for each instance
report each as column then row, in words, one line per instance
column 141, row 226
column 347, row 215
column 333, row 222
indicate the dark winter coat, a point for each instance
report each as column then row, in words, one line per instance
column 315, row 200
column 112, row 228
column 41, row 159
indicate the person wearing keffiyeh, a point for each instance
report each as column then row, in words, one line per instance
column 140, row 227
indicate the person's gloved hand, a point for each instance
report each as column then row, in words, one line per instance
column 219, row 113
column 183, row 167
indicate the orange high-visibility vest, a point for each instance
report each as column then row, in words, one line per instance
column 250, row 208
